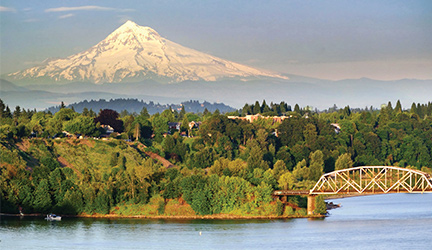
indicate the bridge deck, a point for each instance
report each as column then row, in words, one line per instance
column 352, row 192
column 369, row 192
column 290, row 192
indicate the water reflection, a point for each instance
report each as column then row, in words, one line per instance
column 361, row 223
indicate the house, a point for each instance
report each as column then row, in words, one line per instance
column 194, row 124
column 174, row 125
column 108, row 129
column 252, row 118
column 336, row 127
column 67, row 134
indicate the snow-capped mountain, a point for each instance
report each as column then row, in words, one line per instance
column 134, row 52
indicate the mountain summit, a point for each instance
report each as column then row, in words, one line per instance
column 133, row 53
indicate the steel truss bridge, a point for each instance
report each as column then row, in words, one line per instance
column 365, row 180
column 373, row 180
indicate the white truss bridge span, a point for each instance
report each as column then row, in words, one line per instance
column 373, row 180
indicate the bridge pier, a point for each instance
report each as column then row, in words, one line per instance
column 311, row 204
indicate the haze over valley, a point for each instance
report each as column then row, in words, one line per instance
column 136, row 61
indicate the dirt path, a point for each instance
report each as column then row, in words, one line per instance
column 142, row 148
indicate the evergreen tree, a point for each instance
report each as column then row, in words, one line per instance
column 389, row 107
column 420, row 110
column 184, row 124
column 347, row 111
column 246, row 110
column 144, row 113
column 256, row 108
column 17, row 112
column 413, row 109
column 85, row 112
column 398, row 108
column 124, row 113
column 316, row 165
column 175, row 115
column 8, row 113
column 297, row 109
column 182, row 113
column 42, row 200
column 283, row 108
column 206, row 112
column 2, row 108
column 92, row 113
column 264, row 107
column 333, row 109
column 4, row 111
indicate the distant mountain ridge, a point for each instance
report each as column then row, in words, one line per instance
column 135, row 106
column 135, row 53
column 321, row 94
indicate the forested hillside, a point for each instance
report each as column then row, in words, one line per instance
column 59, row 163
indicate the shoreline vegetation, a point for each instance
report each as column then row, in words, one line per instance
column 176, row 164
column 166, row 217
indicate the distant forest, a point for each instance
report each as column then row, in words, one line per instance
column 135, row 106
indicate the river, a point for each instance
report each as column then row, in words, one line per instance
column 392, row 221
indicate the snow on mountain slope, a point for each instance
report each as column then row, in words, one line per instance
column 134, row 52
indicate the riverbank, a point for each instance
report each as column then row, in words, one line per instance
column 199, row 217
column 164, row 217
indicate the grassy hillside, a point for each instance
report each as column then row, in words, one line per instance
column 88, row 177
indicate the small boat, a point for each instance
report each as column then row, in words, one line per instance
column 53, row 217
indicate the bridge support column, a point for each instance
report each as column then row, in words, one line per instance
column 311, row 204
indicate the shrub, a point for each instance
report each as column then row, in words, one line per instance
column 279, row 208
column 161, row 207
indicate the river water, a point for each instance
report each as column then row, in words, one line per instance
column 392, row 221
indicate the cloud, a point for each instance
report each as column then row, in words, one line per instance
column 86, row 8
column 66, row 16
column 6, row 9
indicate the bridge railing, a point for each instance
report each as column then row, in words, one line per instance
column 373, row 180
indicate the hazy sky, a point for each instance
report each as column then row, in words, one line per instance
column 329, row 39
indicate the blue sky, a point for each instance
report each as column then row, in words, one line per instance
column 329, row 39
